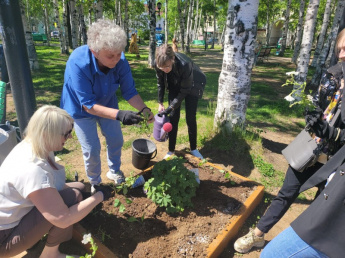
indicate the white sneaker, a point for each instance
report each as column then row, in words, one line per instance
column 93, row 190
column 197, row 154
column 246, row 243
column 169, row 154
column 118, row 177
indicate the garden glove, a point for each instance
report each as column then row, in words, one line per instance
column 312, row 118
column 128, row 117
column 106, row 190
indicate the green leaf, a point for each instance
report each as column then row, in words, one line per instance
column 117, row 203
column 132, row 219
column 122, row 208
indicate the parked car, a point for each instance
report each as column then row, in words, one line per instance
column 54, row 34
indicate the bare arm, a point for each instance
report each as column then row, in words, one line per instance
column 49, row 202
column 102, row 111
column 139, row 104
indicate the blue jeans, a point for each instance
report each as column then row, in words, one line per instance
column 289, row 244
column 86, row 130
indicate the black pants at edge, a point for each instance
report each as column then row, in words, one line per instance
column 191, row 104
column 286, row 196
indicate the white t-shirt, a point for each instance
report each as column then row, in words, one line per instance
column 20, row 175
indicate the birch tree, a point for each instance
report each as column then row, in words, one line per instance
column 189, row 22
column 99, row 10
column 321, row 65
column 166, row 21
column 152, row 44
column 304, row 56
column 299, row 32
column 82, row 24
column 74, row 17
column 30, row 45
column 63, row 49
column 286, row 28
column 181, row 23
column 234, row 80
column 65, row 25
column 323, row 31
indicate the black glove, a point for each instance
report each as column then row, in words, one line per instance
column 166, row 111
column 107, row 191
column 313, row 117
column 128, row 117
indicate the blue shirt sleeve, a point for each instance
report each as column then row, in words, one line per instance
column 86, row 85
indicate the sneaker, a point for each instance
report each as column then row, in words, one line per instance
column 117, row 177
column 197, row 154
column 93, row 189
column 169, row 154
column 247, row 242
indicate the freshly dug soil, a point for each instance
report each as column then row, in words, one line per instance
column 158, row 234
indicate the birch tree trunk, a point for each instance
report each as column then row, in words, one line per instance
column 214, row 23
column 99, row 10
column 334, row 33
column 189, row 21
column 286, row 28
column 166, row 21
column 58, row 26
column 74, row 23
column 65, row 25
column 30, row 45
column 152, row 44
column 298, row 32
column 234, row 80
column 116, row 11
column 197, row 21
column 181, row 22
column 125, row 24
column 268, row 24
column 323, row 31
column 321, row 65
column 307, row 40
column 46, row 22
column 82, row 24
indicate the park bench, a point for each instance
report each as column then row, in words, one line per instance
column 263, row 53
column 39, row 37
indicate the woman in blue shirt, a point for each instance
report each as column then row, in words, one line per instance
column 93, row 74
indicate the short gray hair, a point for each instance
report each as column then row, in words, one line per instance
column 45, row 129
column 104, row 34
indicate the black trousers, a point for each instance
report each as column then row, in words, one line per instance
column 191, row 104
column 286, row 196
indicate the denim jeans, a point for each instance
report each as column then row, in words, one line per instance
column 86, row 130
column 289, row 244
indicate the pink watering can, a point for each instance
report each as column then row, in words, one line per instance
column 161, row 128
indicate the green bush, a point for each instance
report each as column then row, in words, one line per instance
column 172, row 185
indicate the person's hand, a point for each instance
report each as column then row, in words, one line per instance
column 160, row 107
column 313, row 118
column 106, row 190
column 166, row 111
column 128, row 117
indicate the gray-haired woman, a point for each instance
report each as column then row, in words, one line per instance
column 93, row 74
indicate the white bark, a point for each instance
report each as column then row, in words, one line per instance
column 166, row 22
column 82, row 25
column 299, row 32
column 323, row 31
column 286, row 28
column 152, row 44
column 46, row 21
column 307, row 40
column 30, row 45
column 65, row 25
column 234, row 80
column 99, row 10
column 74, row 23
column 189, row 21
column 181, row 23
column 335, row 28
column 321, row 65
column 58, row 27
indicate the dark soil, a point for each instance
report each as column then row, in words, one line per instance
column 159, row 234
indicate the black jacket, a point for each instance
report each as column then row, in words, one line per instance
column 179, row 80
column 321, row 225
